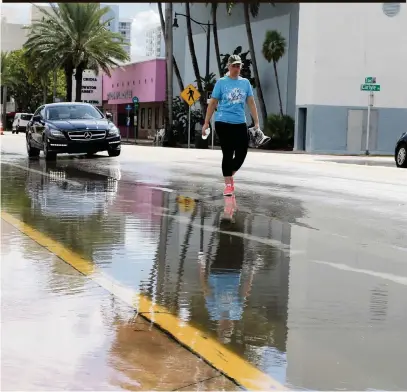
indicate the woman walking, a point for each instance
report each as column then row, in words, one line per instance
column 229, row 96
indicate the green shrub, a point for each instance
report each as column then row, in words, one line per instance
column 281, row 130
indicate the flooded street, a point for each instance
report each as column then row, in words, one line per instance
column 304, row 287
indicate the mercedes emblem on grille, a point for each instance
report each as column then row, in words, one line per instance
column 88, row 135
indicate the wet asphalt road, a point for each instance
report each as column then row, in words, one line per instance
column 308, row 282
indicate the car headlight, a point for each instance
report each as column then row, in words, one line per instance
column 113, row 131
column 56, row 133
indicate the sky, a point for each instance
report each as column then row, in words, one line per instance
column 143, row 15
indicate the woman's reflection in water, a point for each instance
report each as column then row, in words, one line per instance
column 222, row 278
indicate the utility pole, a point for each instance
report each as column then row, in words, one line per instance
column 169, row 62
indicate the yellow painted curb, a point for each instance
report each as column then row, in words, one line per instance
column 207, row 348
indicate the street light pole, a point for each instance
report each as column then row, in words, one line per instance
column 208, row 44
column 207, row 30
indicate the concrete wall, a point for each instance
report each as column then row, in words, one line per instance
column 146, row 80
column 332, row 64
column 232, row 33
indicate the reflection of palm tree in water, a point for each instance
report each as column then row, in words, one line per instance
column 224, row 287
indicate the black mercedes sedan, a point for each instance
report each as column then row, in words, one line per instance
column 400, row 153
column 73, row 128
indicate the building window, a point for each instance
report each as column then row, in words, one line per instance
column 149, row 117
column 391, row 9
column 143, row 118
column 157, row 117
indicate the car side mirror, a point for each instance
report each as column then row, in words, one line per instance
column 109, row 116
column 36, row 119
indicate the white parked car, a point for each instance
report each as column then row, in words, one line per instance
column 20, row 122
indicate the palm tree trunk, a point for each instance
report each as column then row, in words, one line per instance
column 278, row 88
column 68, row 70
column 54, row 87
column 4, row 111
column 169, row 136
column 79, row 78
column 176, row 69
column 45, row 89
column 254, row 62
column 215, row 36
column 193, row 57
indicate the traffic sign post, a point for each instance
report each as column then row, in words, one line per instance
column 190, row 95
column 371, row 86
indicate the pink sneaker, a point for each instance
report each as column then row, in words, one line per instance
column 229, row 189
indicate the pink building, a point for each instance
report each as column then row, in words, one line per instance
column 144, row 80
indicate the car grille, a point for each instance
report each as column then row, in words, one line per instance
column 81, row 135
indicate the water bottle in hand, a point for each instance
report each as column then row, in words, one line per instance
column 205, row 133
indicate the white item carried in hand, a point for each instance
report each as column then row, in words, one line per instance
column 257, row 138
column 206, row 133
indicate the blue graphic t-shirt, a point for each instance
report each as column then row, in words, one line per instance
column 232, row 95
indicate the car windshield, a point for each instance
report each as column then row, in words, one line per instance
column 26, row 117
column 73, row 112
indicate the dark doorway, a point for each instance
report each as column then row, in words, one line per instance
column 302, row 129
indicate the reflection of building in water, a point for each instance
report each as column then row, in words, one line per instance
column 379, row 301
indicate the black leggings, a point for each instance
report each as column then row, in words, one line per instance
column 234, row 141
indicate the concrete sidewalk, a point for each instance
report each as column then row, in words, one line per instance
column 61, row 331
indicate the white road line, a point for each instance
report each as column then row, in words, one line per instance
column 393, row 278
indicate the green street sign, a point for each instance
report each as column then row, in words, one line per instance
column 370, row 80
column 370, row 87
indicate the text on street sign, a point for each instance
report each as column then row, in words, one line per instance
column 370, row 87
column 190, row 94
column 370, row 80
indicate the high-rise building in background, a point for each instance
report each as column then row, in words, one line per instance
column 36, row 13
column 125, row 31
column 112, row 16
column 155, row 46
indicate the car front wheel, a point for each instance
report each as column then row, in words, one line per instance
column 114, row 153
column 401, row 156
column 32, row 151
column 49, row 156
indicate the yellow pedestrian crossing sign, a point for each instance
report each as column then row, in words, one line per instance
column 190, row 94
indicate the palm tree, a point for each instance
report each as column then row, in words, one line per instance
column 72, row 37
column 274, row 46
column 214, row 10
column 194, row 59
column 176, row 69
column 252, row 9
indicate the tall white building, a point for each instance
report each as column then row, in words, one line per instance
column 125, row 31
column 113, row 16
column 13, row 35
column 36, row 13
column 155, row 42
